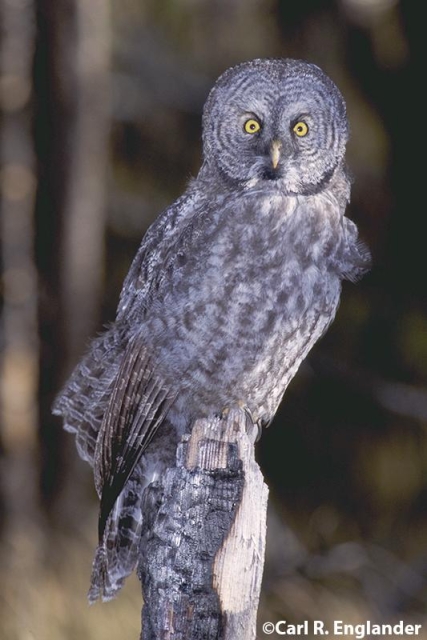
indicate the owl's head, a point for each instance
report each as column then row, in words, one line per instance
column 275, row 120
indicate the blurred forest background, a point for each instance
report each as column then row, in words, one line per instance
column 100, row 129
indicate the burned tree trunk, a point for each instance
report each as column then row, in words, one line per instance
column 202, row 549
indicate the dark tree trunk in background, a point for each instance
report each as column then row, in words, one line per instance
column 19, row 345
column 71, row 133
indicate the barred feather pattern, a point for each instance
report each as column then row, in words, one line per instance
column 84, row 399
column 232, row 286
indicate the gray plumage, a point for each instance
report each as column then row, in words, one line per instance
column 231, row 287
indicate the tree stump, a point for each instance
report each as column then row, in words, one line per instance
column 202, row 549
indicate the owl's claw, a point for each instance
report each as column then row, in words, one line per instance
column 253, row 426
column 224, row 413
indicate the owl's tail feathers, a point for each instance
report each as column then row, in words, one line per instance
column 100, row 585
column 117, row 554
column 104, row 584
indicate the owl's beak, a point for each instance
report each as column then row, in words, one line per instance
column 275, row 149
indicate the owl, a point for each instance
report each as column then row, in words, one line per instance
column 231, row 287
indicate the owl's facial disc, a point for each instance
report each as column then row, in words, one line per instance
column 281, row 122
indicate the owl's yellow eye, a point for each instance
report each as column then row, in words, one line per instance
column 300, row 129
column 252, row 126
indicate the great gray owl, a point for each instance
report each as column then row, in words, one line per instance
column 231, row 287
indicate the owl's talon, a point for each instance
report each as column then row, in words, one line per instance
column 224, row 413
column 253, row 426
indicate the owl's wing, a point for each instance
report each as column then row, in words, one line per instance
column 355, row 259
column 148, row 266
column 138, row 404
column 140, row 398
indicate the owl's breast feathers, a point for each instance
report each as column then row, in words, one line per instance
column 223, row 301
column 248, row 283
column 220, row 282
